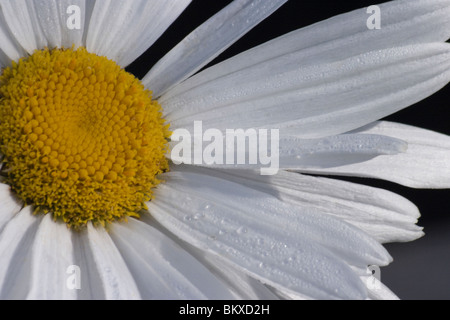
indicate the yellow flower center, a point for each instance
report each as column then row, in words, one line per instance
column 80, row 137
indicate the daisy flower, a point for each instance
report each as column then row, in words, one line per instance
column 93, row 207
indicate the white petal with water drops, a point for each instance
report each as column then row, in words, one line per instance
column 425, row 164
column 404, row 22
column 316, row 100
column 114, row 276
column 384, row 215
column 207, row 42
column 16, row 240
column 49, row 259
column 161, row 268
column 9, row 205
column 122, row 30
column 245, row 234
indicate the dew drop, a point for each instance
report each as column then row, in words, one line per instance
column 242, row 230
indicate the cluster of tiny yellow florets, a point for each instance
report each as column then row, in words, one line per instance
column 81, row 138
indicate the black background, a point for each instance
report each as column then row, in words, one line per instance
column 421, row 268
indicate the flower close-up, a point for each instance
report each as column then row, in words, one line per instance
column 207, row 178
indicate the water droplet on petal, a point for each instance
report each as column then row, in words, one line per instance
column 242, row 230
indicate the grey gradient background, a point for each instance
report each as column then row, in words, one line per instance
column 421, row 269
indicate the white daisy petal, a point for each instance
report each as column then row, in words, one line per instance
column 377, row 290
column 246, row 233
column 295, row 276
column 10, row 49
column 426, row 163
column 9, row 205
column 51, row 256
column 161, row 268
column 330, row 151
column 348, row 250
column 404, row 22
column 289, row 295
column 292, row 152
column 122, row 30
column 313, row 101
column 47, row 14
column 207, row 42
column 104, row 261
column 245, row 286
column 36, row 24
column 46, row 23
column 44, row 252
column 89, row 10
column 16, row 239
column 91, row 281
column 384, row 215
column 20, row 24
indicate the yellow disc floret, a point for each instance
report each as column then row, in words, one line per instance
column 81, row 138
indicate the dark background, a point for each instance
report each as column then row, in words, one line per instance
column 421, row 269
